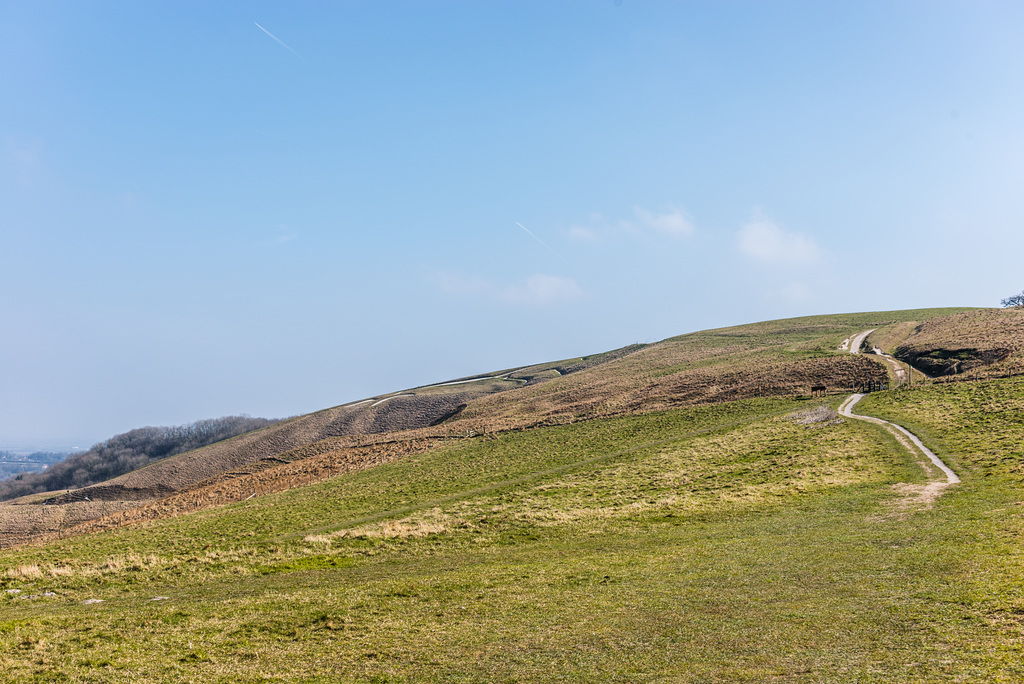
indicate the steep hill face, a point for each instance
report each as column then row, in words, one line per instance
column 776, row 358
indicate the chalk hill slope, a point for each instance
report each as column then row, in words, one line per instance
column 775, row 358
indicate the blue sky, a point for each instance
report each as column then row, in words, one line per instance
column 202, row 217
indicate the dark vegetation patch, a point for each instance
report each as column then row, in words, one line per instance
column 129, row 451
column 944, row 361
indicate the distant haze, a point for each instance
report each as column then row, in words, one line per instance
column 25, row 449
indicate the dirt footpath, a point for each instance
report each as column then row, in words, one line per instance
column 911, row 496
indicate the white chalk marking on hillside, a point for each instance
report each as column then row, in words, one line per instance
column 378, row 403
column 357, row 403
column 463, row 382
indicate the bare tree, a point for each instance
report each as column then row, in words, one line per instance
column 1015, row 300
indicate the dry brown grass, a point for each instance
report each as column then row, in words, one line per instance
column 780, row 358
column 972, row 344
column 24, row 572
column 20, row 522
column 424, row 524
column 819, row 415
column 659, row 378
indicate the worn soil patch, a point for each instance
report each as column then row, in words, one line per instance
column 912, row 498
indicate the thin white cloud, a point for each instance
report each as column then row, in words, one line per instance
column 282, row 235
column 543, row 290
column 285, row 234
column 674, row 222
column 455, row 284
column 127, row 201
column 581, row 233
column 764, row 240
column 538, row 289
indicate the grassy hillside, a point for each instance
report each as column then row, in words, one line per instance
column 975, row 425
column 669, row 537
column 722, row 543
column 775, row 358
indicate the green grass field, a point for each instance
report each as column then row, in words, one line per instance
column 978, row 426
column 718, row 543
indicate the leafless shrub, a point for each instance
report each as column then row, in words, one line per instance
column 819, row 415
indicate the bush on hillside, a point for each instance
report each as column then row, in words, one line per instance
column 129, row 451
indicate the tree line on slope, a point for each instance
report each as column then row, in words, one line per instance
column 129, row 451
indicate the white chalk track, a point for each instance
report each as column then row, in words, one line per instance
column 847, row 410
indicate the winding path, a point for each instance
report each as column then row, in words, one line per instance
column 905, row 436
column 856, row 342
column 901, row 373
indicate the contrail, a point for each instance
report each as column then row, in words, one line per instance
column 280, row 42
column 538, row 240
